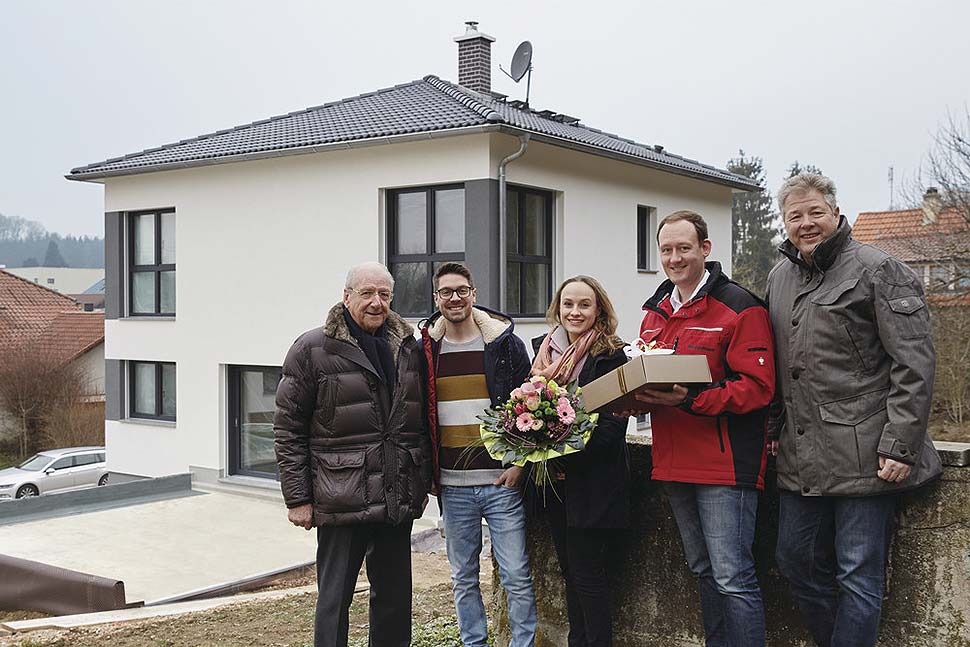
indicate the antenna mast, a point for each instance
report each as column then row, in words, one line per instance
column 892, row 193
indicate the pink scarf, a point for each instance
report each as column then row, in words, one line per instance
column 566, row 366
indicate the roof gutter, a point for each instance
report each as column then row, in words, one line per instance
column 502, row 224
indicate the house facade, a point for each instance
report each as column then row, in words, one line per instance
column 221, row 250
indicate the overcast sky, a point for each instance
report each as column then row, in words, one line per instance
column 852, row 87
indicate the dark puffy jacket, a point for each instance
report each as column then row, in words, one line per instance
column 344, row 443
column 506, row 362
column 596, row 491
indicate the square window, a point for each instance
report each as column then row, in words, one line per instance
column 151, row 390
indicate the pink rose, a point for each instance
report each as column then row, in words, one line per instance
column 537, row 424
column 528, row 388
column 517, row 394
column 525, row 421
column 520, row 408
column 532, row 402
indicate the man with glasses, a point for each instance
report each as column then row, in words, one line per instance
column 474, row 361
column 354, row 454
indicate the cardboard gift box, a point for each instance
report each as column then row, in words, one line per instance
column 614, row 391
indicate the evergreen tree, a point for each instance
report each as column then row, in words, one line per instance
column 30, row 261
column 53, row 256
column 754, row 227
column 797, row 168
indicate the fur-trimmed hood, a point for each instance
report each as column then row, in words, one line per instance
column 491, row 322
column 398, row 330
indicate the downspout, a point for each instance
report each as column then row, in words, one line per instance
column 502, row 226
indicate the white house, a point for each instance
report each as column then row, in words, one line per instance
column 278, row 210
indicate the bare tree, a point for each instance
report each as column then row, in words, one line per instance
column 37, row 390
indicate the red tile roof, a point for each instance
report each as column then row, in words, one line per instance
column 29, row 311
column 903, row 234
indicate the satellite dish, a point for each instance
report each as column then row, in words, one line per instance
column 521, row 60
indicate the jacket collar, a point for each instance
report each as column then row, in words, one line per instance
column 491, row 323
column 667, row 287
column 825, row 253
column 398, row 330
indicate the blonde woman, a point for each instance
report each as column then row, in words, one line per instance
column 591, row 501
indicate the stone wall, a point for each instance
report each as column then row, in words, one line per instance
column 656, row 600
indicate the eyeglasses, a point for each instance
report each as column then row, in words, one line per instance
column 447, row 293
column 367, row 295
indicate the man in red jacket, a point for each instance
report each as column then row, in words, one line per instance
column 709, row 441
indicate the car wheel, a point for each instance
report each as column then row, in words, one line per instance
column 103, row 480
column 26, row 491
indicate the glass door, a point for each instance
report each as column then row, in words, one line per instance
column 252, row 402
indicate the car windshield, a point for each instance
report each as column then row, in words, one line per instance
column 35, row 463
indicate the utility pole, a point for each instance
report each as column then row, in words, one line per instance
column 892, row 194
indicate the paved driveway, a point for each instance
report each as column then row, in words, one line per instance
column 164, row 548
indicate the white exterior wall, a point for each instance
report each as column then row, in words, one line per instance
column 262, row 251
column 92, row 363
column 263, row 248
column 595, row 215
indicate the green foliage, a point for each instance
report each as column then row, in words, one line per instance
column 754, row 227
column 439, row 632
column 797, row 168
column 53, row 258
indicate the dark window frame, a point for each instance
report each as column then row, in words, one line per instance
column 430, row 257
column 155, row 268
column 158, row 415
column 646, row 261
column 521, row 192
column 234, row 402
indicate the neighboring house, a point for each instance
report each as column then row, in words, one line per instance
column 931, row 239
column 55, row 327
column 92, row 298
column 66, row 280
column 268, row 217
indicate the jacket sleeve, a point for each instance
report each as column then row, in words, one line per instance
column 903, row 323
column 295, row 398
column 750, row 376
column 776, row 410
column 610, row 430
column 521, row 365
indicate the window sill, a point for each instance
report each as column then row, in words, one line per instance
column 170, row 424
column 149, row 318
column 642, row 271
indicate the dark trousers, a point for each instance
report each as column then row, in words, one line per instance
column 833, row 552
column 584, row 556
column 340, row 552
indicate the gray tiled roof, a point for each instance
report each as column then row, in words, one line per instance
column 424, row 106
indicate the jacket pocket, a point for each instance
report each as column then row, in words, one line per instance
column 829, row 297
column 340, row 481
column 852, row 428
column 326, row 402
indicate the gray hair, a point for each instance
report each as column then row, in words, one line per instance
column 368, row 267
column 806, row 181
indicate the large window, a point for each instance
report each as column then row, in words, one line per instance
column 528, row 252
column 252, row 402
column 646, row 230
column 151, row 390
column 426, row 227
column 151, row 263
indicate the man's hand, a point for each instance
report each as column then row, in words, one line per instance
column 773, row 447
column 510, row 478
column 654, row 397
column 301, row 515
column 893, row 471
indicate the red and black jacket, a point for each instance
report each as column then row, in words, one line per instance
column 717, row 436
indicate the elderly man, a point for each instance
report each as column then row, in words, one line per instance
column 354, row 454
column 709, row 442
column 855, row 379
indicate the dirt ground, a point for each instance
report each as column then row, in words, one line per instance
column 274, row 623
column 941, row 429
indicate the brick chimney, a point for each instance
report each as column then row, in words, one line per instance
column 931, row 205
column 475, row 59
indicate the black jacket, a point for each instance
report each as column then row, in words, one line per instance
column 596, row 491
column 357, row 452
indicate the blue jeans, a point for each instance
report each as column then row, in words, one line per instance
column 463, row 509
column 716, row 524
column 833, row 552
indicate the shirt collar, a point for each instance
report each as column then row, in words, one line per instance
column 676, row 303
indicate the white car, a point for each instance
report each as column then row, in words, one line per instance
column 55, row 470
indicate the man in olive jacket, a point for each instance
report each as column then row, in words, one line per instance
column 855, row 366
column 354, row 454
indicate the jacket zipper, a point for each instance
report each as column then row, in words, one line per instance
column 720, row 434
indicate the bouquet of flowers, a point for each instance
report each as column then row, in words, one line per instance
column 540, row 421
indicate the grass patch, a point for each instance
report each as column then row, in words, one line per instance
column 8, row 459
